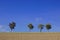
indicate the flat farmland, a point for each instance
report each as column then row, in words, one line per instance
column 30, row 36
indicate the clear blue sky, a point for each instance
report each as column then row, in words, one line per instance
column 24, row 12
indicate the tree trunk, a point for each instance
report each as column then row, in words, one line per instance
column 48, row 30
column 40, row 30
column 29, row 30
column 11, row 30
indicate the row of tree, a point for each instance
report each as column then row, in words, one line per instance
column 30, row 26
column 40, row 26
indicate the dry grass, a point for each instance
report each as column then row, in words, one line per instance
column 30, row 36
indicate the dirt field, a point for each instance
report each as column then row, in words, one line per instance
column 29, row 36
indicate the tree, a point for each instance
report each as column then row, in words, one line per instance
column 40, row 26
column 30, row 26
column 12, row 25
column 48, row 26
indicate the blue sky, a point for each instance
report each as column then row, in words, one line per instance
column 24, row 12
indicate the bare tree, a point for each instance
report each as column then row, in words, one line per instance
column 12, row 25
column 30, row 26
column 48, row 26
column 40, row 26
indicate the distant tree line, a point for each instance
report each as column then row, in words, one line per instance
column 31, row 26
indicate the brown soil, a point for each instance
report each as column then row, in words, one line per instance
column 29, row 36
